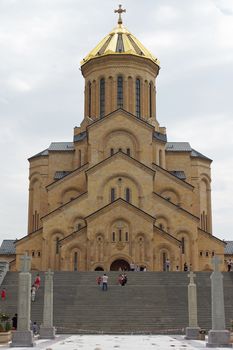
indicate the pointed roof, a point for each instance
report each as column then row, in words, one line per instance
column 120, row 42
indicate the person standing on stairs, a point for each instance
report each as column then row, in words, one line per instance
column 3, row 294
column 104, row 282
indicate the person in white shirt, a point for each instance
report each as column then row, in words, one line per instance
column 104, row 282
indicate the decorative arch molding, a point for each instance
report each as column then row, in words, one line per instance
column 119, row 256
column 106, row 180
column 35, row 173
column 205, row 176
column 164, row 220
column 125, row 132
column 34, row 181
column 71, row 192
column 76, row 220
column 174, row 195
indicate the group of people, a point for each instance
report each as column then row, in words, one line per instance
column 102, row 281
column 167, row 266
column 35, row 287
column 229, row 265
column 122, row 279
column 136, row 268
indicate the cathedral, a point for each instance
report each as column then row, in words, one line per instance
column 120, row 193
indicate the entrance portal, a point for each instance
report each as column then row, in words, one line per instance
column 120, row 265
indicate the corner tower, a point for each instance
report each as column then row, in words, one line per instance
column 120, row 73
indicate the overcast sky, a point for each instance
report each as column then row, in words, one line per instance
column 41, row 87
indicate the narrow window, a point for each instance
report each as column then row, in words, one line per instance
column 75, row 261
column 182, row 245
column 206, row 253
column 120, row 235
column 33, row 253
column 119, row 92
column 201, row 253
column 120, row 149
column 79, row 226
column 126, row 236
column 150, row 100
column 38, row 253
column 102, row 97
column 113, row 237
column 213, row 253
column 79, row 157
column 89, row 99
column 127, row 195
column 161, row 226
column 57, row 245
column 128, row 151
column 138, row 98
column 112, row 194
column 111, row 151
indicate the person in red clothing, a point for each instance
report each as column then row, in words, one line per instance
column 37, row 281
column 3, row 294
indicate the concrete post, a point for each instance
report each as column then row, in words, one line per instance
column 218, row 336
column 47, row 331
column 192, row 331
column 23, row 337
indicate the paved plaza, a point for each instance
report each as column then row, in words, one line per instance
column 122, row 342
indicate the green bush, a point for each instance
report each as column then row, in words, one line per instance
column 8, row 326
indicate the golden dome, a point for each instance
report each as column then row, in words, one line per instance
column 120, row 42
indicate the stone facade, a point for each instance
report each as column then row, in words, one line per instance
column 119, row 193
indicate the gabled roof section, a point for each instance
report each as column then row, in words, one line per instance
column 178, row 147
column 207, row 234
column 80, row 137
column 7, row 247
column 119, row 201
column 179, row 173
column 126, row 113
column 61, row 146
column 68, row 173
column 177, row 206
column 124, row 155
column 168, row 235
column 40, row 154
column 64, row 205
column 175, row 177
column 229, row 247
column 196, row 154
column 159, row 136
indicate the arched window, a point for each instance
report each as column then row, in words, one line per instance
column 127, row 195
column 182, row 245
column 57, row 245
column 113, row 237
column 33, row 253
column 126, row 236
column 120, row 235
column 119, row 92
column 111, row 151
column 138, row 98
column 150, row 100
column 102, row 97
column 75, row 261
column 113, row 194
column 128, row 151
column 89, row 99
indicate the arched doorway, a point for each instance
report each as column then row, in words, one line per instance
column 99, row 268
column 119, row 264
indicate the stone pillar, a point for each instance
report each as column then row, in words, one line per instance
column 218, row 336
column 192, row 331
column 23, row 337
column 47, row 331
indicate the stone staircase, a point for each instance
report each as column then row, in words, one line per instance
column 151, row 302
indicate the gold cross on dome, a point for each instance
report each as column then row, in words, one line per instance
column 120, row 11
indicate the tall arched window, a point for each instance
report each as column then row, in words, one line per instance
column 150, row 100
column 182, row 245
column 138, row 98
column 89, row 99
column 57, row 245
column 75, row 261
column 113, row 237
column 119, row 92
column 113, row 194
column 127, row 194
column 102, row 97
